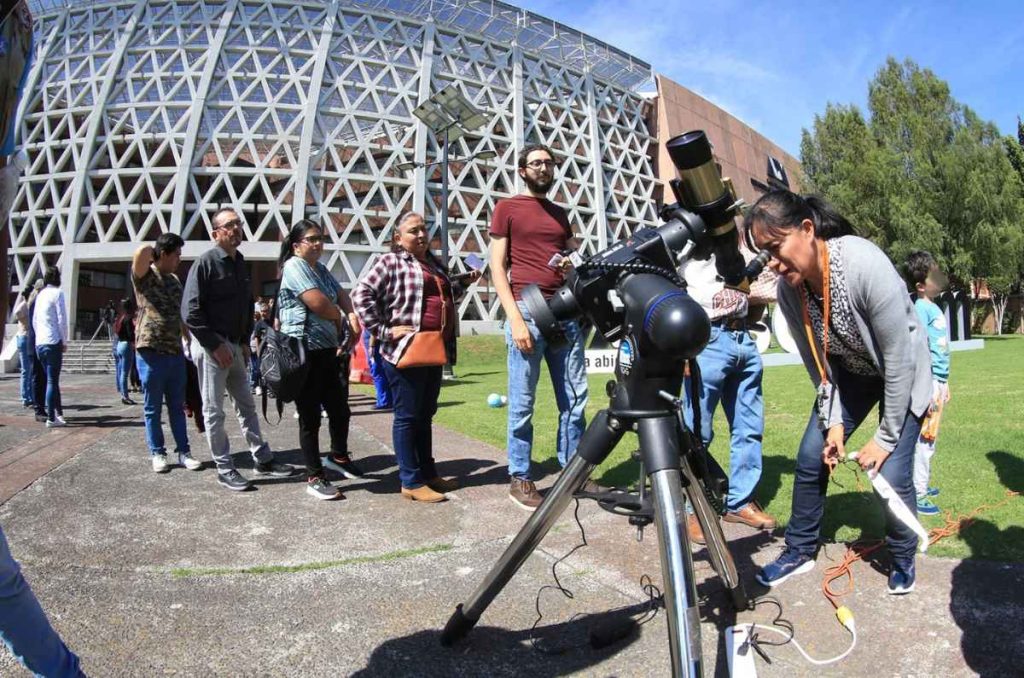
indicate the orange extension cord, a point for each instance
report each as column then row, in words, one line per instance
column 858, row 550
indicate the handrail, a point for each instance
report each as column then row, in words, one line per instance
column 81, row 350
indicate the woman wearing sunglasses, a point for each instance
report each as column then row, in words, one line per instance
column 314, row 307
column 861, row 342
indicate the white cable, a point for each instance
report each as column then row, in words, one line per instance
column 817, row 662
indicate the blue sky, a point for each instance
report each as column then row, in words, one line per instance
column 775, row 65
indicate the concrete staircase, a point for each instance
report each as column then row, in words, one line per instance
column 85, row 358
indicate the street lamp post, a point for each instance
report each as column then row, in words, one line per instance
column 450, row 115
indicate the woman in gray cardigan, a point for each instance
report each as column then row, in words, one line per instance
column 860, row 340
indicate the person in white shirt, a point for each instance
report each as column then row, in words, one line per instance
column 24, row 345
column 50, row 323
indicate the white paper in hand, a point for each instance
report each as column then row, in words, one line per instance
column 896, row 506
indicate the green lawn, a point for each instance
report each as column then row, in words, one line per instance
column 980, row 450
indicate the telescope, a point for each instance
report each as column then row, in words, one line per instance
column 631, row 293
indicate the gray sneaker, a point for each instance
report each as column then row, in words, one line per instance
column 322, row 489
column 274, row 469
column 524, row 494
column 234, row 481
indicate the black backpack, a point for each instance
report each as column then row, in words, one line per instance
column 283, row 365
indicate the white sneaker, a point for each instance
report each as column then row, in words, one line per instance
column 189, row 462
column 60, row 418
column 56, row 423
column 160, row 463
column 259, row 391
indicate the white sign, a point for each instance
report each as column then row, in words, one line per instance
column 600, row 361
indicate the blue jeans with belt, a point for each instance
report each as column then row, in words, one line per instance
column 858, row 394
column 731, row 371
column 568, row 371
column 163, row 378
column 24, row 627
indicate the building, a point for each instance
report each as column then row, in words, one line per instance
column 145, row 116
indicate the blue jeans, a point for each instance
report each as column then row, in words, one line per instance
column 24, row 627
column 731, row 370
column 415, row 391
column 569, row 380
column 52, row 357
column 125, row 356
column 163, row 378
column 25, row 357
column 859, row 395
column 380, row 377
column 254, row 369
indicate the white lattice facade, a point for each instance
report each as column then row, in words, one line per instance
column 144, row 117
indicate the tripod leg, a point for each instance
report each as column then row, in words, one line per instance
column 677, row 573
column 718, row 549
column 597, row 442
column 660, row 448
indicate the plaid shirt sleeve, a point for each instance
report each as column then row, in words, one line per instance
column 369, row 298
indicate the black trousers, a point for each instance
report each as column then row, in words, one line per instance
column 325, row 386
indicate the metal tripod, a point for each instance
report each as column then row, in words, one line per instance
column 642, row 403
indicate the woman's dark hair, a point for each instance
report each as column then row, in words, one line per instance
column 295, row 234
column 52, row 276
column 779, row 211
column 128, row 305
column 26, row 292
column 395, row 247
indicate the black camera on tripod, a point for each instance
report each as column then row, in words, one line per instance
column 634, row 284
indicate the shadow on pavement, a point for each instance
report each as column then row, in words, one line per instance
column 985, row 602
column 107, row 421
column 491, row 651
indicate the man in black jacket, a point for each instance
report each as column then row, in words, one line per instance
column 217, row 309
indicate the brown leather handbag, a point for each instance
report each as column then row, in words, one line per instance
column 427, row 347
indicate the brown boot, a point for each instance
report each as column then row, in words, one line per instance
column 693, row 530
column 424, row 494
column 751, row 515
column 442, row 485
column 524, row 494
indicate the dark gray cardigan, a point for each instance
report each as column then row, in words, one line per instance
column 895, row 340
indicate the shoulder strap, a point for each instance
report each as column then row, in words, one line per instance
column 280, row 409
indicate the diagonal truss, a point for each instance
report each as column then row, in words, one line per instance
column 147, row 115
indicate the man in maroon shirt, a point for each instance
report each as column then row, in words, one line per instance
column 527, row 230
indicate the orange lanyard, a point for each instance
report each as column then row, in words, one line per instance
column 826, row 312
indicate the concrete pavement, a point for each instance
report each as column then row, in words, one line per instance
column 147, row 574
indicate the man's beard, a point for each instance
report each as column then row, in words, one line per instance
column 541, row 186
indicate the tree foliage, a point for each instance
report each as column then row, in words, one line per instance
column 923, row 171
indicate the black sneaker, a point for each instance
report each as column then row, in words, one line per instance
column 274, row 470
column 901, row 577
column 42, row 417
column 233, row 480
column 322, row 489
column 344, row 465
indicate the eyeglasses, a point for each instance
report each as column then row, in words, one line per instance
column 313, row 239
column 537, row 164
column 229, row 225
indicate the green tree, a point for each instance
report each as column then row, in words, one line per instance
column 923, row 171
